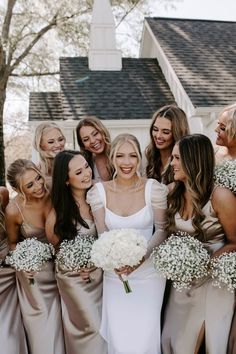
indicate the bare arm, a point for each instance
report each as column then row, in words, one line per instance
column 4, row 197
column 224, row 204
column 13, row 222
column 49, row 228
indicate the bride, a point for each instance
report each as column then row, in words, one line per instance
column 131, row 322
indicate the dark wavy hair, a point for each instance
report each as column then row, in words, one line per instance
column 67, row 212
column 198, row 162
column 180, row 127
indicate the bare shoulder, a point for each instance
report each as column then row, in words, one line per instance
column 4, row 197
column 223, row 198
column 12, row 212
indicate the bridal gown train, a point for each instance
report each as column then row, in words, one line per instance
column 131, row 322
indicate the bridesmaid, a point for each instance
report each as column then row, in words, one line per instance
column 226, row 134
column 12, row 335
column 81, row 300
column 226, row 142
column 25, row 217
column 168, row 125
column 49, row 140
column 95, row 142
column 202, row 315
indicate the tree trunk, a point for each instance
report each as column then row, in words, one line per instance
column 2, row 155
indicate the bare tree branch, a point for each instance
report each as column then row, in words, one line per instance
column 128, row 12
column 39, row 35
column 7, row 22
column 49, row 73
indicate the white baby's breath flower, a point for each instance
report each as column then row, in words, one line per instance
column 225, row 175
column 182, row 259
column 119, row 248
column 223, row 271
column 75, row 254
column 30, row 255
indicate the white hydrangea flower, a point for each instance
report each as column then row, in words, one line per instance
column 182, row 259
column 75, row 254
column 223, row 271
column 225, row 175
column 118, row 248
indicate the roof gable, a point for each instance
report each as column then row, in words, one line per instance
column 203, row 56
column 135, row 92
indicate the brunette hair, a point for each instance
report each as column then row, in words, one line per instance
column 198, row 162
column 92, row 121
column 67, row 212
column 180, row 127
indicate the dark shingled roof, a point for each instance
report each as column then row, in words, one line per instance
column 45, row 106
column 135, row 92
column 203, row 55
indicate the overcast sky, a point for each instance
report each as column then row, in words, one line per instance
column 198, row 9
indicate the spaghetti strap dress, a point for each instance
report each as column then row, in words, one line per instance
column 12, row 334
column 81, row 308
column 131, row 322
column 203, row 306
column 40, row 303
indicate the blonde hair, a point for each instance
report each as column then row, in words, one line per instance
column 120, row 140
column 231, row 123
column 40, row 130
column 16, row 171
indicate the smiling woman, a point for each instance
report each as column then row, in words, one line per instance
column 168, row 125
column 25, row 218
column 48, row 141
column 131, row 202
column 94, row 140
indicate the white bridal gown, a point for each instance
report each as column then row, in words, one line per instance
column 131, row 322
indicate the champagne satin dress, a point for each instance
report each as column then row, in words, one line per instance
column 12, row 334
column 81, row 308
column 203, row 307
column 40, row 303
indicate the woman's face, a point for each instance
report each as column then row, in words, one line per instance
column 179, row 174
column 126, row 161
column 32, row 185
column 92, row 139
column 222, row 138
column 52, row 142
column 162, row 133
column 80, row 173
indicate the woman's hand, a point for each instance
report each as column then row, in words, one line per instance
column 85, row 273
column 127, row 269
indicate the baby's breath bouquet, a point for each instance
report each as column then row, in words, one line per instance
column 74, row 254
column 223, row 271
column 182, row 259
column 225, row 175
column 117, row 249
column 30, row 255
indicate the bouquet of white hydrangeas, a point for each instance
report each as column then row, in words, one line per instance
column 30, row 255
column 117, row 249
column 75, row 254
column 225, row 175
column 223, row 271
column 182, row 259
